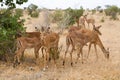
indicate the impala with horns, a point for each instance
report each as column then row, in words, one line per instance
column 95, row 29
column 50, row 44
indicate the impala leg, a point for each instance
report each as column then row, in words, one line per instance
column 36, row 51
column 22, row 56
column 15, row 61
column 46, row 59
column 88, row 25
column 19, row 54
column 17, row 57
column 89, row 49
column 78, row 56
column 81, row 55
column 84, row 25
column 96, row 51
column 42, row 52
column 55, row 63
column 65, row 54
column 71, row 56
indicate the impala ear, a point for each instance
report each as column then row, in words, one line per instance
column 93, row 26
column 99, row 26
column 108, row 49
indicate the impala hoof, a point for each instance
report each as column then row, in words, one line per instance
column 63, row 63
column 72, row 64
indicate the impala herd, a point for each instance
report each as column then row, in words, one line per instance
column 48, row 41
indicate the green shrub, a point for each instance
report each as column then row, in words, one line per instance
column 93, row 11
column 35, row 14
column 112, row 12
column 74, row 15
column 31, row 8
column 9, row 26
column 102, row 20
column 101, row 11
column 19, row 12
column 56, row 16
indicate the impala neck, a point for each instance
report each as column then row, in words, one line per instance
column 106, row 53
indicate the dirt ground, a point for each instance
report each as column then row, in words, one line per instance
column 92, row 69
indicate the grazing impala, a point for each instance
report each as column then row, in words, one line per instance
column 95, row 29
column 80, row 38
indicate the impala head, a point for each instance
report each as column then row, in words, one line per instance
column 96, row 29
column 42, row 29
column 85, row 16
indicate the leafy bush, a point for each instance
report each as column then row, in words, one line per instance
column 19, row 12
column 57, row 16
column 74, row 15
column 9, row 26
column 35, row 14
column 112, row 11
column 64, row 23
column 102, row 20
column 67, row 17
column 32, row 10
column 93, row 11
column 101, row 11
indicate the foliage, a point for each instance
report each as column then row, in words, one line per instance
column 35, row 14
column 112, row 11
column 57, row 16
column 12, row 3
column 102, row 20
column 101, row 11
column 93, row 11
column 74, row 15
column 119, row 11
column 9, row 25
column 64, row 23
column 32, row 10
column 19, row 12
column 54, row 53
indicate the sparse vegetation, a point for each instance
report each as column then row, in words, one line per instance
column 32, row 10
column 91, row 69
column 102, row 20
column 35, row 14
column 112, row 11
column 57, row 16
column 9, row 25
column 74, row 15
column 93, row 11
column 19, row 12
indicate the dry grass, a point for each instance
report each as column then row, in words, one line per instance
column 90, row 70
